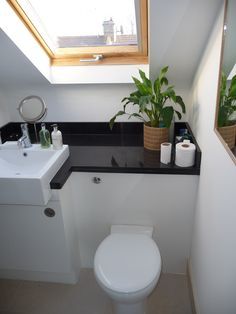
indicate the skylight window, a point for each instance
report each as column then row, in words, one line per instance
column 71, row 30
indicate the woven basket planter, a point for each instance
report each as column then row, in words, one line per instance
column 153, row 137
column 228, row 133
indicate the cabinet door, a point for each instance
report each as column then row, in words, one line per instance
column 32, row 241
column 99, row 200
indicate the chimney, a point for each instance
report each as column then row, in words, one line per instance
column 109, row 30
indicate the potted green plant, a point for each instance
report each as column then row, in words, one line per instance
column 150, row 98
column 227, row 107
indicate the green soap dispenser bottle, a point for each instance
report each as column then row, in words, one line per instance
column 44, row 137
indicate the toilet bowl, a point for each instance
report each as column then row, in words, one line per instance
column 127, row 267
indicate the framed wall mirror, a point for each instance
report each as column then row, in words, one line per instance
column 225, row 121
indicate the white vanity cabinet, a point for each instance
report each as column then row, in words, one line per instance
column 34, row 246
column 166, row 202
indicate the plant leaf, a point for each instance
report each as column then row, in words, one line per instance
column 222, row 117
column 169, row 92
column 223, row 85
column 146, row 81
column 164, row 81
column 232, row 89
column 227, row 101
column 163, row 72
column 178, row 114
column 167, row 115
column 160, row 80
column 143, row 102
column 180, row 101
column 141, row 87
column 112, row 121
column 157, row 87
column 136, row 115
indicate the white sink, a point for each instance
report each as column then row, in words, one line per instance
column 25, row 174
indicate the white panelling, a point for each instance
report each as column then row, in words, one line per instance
column 213, row 256
column 163, row 201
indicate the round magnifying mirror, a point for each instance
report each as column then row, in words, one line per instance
column 32, row 109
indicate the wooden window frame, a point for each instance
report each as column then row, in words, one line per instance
column 111, row 54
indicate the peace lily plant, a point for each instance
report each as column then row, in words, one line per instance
column 227, row 108
column 150, row 100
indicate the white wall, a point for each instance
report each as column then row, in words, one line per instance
column 213, row 256
column 4, row 116
column 75, row 102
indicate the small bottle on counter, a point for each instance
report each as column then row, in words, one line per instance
column 56, row 137
column 44, row 137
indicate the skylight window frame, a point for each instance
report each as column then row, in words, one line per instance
column 135, row 54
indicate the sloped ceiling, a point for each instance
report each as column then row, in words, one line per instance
column 179, row 30
column 15, row 68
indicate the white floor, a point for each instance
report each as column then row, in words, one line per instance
column 171, row 296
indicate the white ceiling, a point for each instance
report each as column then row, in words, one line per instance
column 179, row 30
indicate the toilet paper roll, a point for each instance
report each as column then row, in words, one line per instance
column 185, row 154
column 166, row 153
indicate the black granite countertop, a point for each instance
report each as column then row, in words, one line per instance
column 94, row 148
column 115, row 153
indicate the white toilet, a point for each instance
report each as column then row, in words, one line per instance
column 127, row 267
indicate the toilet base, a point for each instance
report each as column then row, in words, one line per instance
column 130, row 308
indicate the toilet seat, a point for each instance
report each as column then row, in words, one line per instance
column 127, row 263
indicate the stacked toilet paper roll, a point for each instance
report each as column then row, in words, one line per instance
column 185, row 154
column 166, row 153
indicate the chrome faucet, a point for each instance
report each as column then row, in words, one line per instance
column 24, row 141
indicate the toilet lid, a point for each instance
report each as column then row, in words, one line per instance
column 127, row 262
